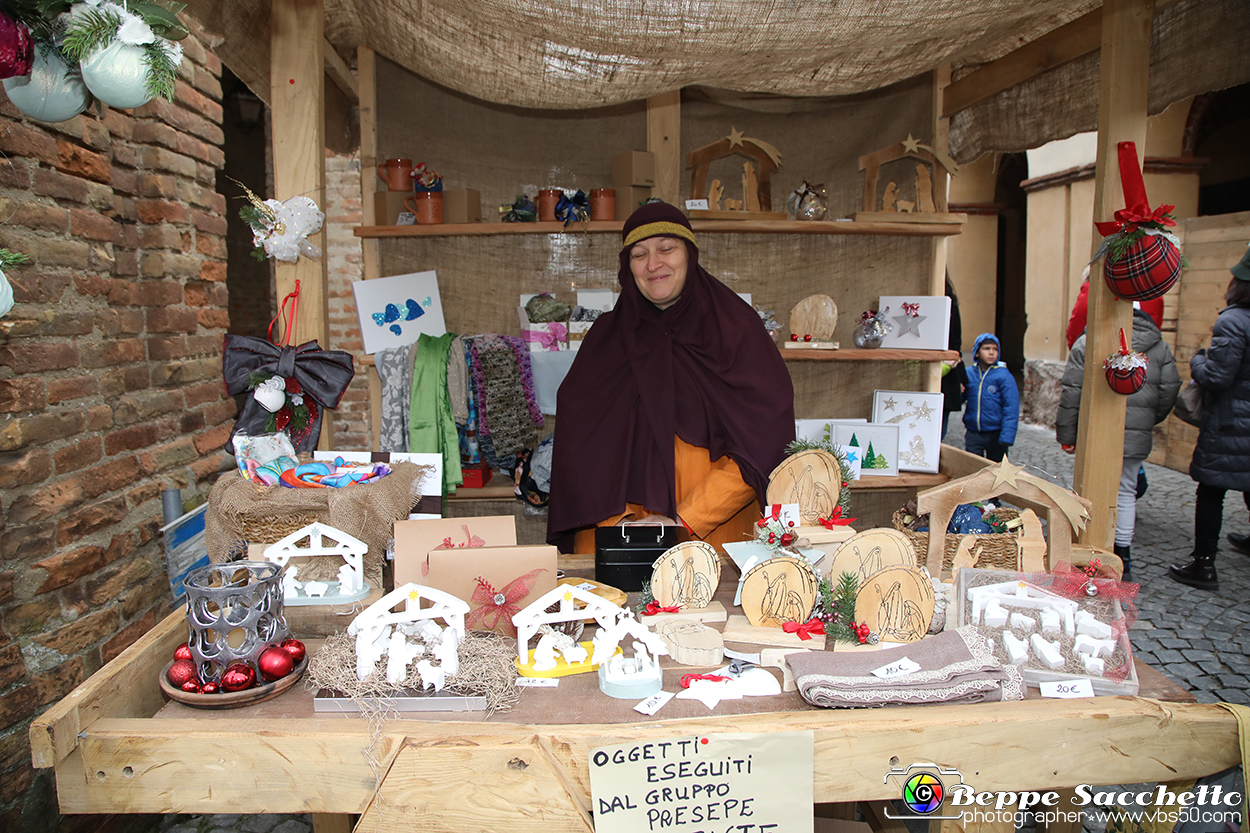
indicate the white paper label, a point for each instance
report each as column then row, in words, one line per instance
column 589, row 588
column 654, row 703
column 900, row 666
column 537, row 682
column 696, row 205
column 406, row 218
column 1067, row 688
column 754, row 659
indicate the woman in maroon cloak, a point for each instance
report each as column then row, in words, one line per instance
column 678, row 403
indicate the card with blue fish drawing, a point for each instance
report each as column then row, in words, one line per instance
column 395, row 311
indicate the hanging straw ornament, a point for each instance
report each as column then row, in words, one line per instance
column 1126, row 370
column 1143, row 260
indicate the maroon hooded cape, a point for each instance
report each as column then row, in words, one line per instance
column 704, row 370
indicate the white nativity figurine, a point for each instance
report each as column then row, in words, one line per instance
column 1025, row 595
column 290, row 587
column 552, row 643
column 995, row 615
column 1091, row 625
column 1047, row 652
column 387, row 625
column 1050, row 621
column 1017, row 649
column 1095, row 647
column 1023, row 623
column 1095, row 666
column 323, row 540
column 623, row 676
column 528, row 620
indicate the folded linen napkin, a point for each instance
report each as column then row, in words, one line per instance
column 956, row 666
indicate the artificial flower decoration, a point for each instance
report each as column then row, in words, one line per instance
column 126, row 50
column 280, row 229
column 17, row 50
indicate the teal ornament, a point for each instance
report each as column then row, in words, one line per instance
column 414, row 311
column 6, row 296
column 379, row 319
column 397, row 330
column 117, row 75
column 51, row 92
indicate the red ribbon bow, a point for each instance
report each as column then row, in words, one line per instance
column 496, row 605
column 805, row 630
column 911, row 309
column 653, row 608
column 1137, row 212
column 687, row 679
column 835, row 519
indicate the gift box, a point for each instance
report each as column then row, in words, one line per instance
column 497, row 582
column 475, row 477
column 462, row 205
column 415, row 539
column 545, row 337
column 577, row 332
column 633, row 168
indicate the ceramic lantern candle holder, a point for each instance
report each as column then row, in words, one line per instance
column 234, row 612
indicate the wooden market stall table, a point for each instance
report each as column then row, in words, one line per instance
column 119, row 746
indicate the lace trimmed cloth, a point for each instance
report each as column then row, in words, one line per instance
column 955, row 666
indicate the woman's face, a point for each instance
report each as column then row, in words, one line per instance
column 658, row 265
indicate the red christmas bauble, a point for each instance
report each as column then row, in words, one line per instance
column 275, row 663
column 794, row 336
column 807, row 338
column 17, row 50
column 181, row 671
column 191, row 687
column 1150, row 267
column 296, row 649
column 210, row 688
column 1126, row 382
column 283, row 417
column 293, row 385
column 238, row 678
column 183, row 652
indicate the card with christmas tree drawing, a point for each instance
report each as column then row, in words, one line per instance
column 919, row 420
column 875, row 445
column 920, row 322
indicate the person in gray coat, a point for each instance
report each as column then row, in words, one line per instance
column 1146, row 408
column 1222, row 455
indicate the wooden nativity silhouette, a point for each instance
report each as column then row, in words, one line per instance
column 756, row 203
column 928, row 204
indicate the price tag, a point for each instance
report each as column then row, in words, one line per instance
column 406, row 218
column 589, row 588
column 900, row 666
column 1067, row 688
column 696, row 205
column 537, row 682
column 654, row 703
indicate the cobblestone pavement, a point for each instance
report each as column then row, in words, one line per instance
column 1194, row 636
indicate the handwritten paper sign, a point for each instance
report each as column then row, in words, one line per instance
column 897, row 668
column 754, row 783
column 1067, row 688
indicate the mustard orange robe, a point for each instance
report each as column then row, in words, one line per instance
column 712, row 499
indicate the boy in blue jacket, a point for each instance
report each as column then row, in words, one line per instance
column 992, row 412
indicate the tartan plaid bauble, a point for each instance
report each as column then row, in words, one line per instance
column 1126, row 382
column 1150, row 267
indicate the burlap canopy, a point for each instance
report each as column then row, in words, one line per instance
column 561, row 55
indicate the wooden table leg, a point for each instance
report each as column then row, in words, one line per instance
column 331, row 823
column 843, row 810
column 874, row 814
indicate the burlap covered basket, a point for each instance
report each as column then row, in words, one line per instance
column 998, row 549
column 242, row 512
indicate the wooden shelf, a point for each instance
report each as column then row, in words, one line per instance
column 905, row 480
column 710, row 226
column 853, row 354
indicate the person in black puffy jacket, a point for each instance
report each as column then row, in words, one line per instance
column 1222, row 455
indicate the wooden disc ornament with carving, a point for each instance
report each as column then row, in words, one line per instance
column 686, row 575
column 692, row 643
column 812, row 479
column 896, row 603
column 779, row 590
column 814, row 318
column 871, row 551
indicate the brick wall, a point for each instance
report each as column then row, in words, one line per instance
column 110, row 389
column 343, row 261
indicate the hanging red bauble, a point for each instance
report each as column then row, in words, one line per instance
column 1147, row 270
column 1142, row 259
column 1126, row 370
column 17, row 50
column 181, row 671
column 238, row 678
column 295, row 648
column 275, row 663
column 182, row 652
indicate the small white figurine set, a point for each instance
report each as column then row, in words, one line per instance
column 398, row 628
column 1048, row 634
column 321, row 541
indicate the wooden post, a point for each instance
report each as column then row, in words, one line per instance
column 1122, row 90
column 941, row 183
column 664, row 140
column 297, row 106
column 367, row 91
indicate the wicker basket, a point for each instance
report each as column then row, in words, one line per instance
column 998, row 549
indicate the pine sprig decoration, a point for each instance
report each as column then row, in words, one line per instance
column 91, row 29
column 844, row 597
column 162, row 70
column 645, row 597
column 9, row 259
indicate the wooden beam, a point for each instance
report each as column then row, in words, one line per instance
column 1123, row 85
column 1072, row 40
column 367, row 87
column 340, row 73
column 664, row 140
column 297, row 102
column 941, row 188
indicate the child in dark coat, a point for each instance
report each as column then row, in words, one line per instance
column 992, row 409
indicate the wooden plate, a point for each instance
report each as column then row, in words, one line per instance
column 779, row 590
column 869, row 552
column 232, row 699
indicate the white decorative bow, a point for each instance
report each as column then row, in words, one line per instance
column 287, row 234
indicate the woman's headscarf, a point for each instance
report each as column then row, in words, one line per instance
column 705, row 370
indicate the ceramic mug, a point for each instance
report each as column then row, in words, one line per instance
column 603, row 204
column 397, row 173
column 427, row 205
column 548, row 198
